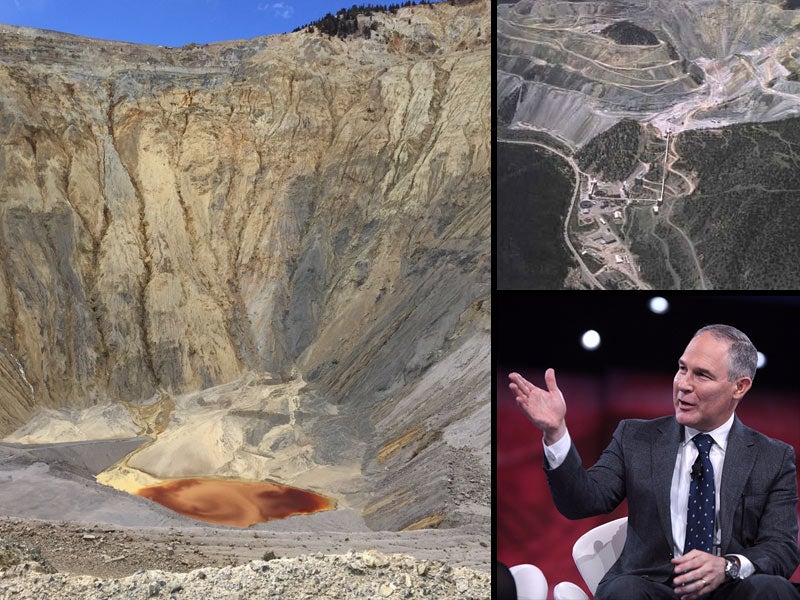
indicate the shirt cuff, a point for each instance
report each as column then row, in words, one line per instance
column 557, row 453
column 746, row 568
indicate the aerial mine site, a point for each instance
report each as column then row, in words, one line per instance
column 245, row 313
column 648, row 144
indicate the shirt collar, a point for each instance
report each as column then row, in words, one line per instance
column 719, row 435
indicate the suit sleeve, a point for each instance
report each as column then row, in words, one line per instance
column 774, row 518
column 579, row 492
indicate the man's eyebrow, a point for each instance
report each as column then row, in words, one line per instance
column 698, row 370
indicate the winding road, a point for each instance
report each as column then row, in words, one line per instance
column 575, row 194
column 588, row 276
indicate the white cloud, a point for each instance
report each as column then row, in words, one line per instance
column 34, row 6
column 279, row 9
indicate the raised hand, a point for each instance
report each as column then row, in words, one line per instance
column 545, row 408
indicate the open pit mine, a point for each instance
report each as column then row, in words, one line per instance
column 666, row 143
column 250, row 280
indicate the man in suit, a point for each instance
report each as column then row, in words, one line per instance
column 712, row 504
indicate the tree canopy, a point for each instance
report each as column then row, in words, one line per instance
column 345, row 22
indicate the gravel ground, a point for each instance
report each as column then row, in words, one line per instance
column 46, row 560
column 353, row 575
column 106, row 551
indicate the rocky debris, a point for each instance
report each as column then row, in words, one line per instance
column 13, row 555
column 471, row 482
column 353, row 575
column 117, row 552
column 99, row 551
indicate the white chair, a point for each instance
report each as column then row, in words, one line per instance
column 594, row 553
column 530, row 582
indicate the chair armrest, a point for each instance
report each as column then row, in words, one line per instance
column 530, row 581
column 568, row 591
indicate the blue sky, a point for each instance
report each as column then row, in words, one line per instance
column 170, row 22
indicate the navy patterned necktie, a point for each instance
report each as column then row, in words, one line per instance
column 700, row 518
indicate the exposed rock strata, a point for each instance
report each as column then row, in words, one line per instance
column 680, row 66
column 283, row 211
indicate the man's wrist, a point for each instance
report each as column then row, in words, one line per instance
column 733, row 566
column 557, row 452
column 746, row 568
column 555, row 436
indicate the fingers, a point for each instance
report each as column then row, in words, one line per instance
column 518, row 386
column 687, row 569
column 687, row 562
column 697, row 573
column 525, row 387
column 518, row 380
column 694, row 591
column 550, row 380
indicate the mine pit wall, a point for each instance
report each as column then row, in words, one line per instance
column 16, row 394
column 173, row 218
column 428, row 461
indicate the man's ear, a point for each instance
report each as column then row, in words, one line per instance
column 742, row 385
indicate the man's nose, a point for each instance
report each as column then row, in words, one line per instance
column 684, row 382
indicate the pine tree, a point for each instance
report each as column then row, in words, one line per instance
column 345, row 22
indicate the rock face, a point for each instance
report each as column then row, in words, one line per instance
column 574, row 69
column 283, row 211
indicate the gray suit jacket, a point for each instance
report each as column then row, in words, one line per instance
column 758, row 501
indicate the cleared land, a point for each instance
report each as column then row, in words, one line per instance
column 686, row 113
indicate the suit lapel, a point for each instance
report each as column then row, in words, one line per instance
column 739, row 460
column 665, row 452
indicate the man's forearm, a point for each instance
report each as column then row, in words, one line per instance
column 576, row 493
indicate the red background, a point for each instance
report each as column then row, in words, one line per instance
column 529, row 528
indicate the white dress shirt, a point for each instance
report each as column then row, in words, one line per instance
column 681, row 478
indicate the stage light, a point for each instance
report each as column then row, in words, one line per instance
column 659, row 305
column 590, row 340
column 762, row 360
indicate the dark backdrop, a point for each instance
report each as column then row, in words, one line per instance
column 630, row 375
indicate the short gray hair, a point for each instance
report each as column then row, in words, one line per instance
column 743, row 357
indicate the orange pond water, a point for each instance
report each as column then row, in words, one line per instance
column 234, row 502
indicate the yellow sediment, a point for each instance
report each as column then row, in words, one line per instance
column 397, row 444
column 126, row 479
column 153, row 420
column 426, row 523
column 391, row 502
